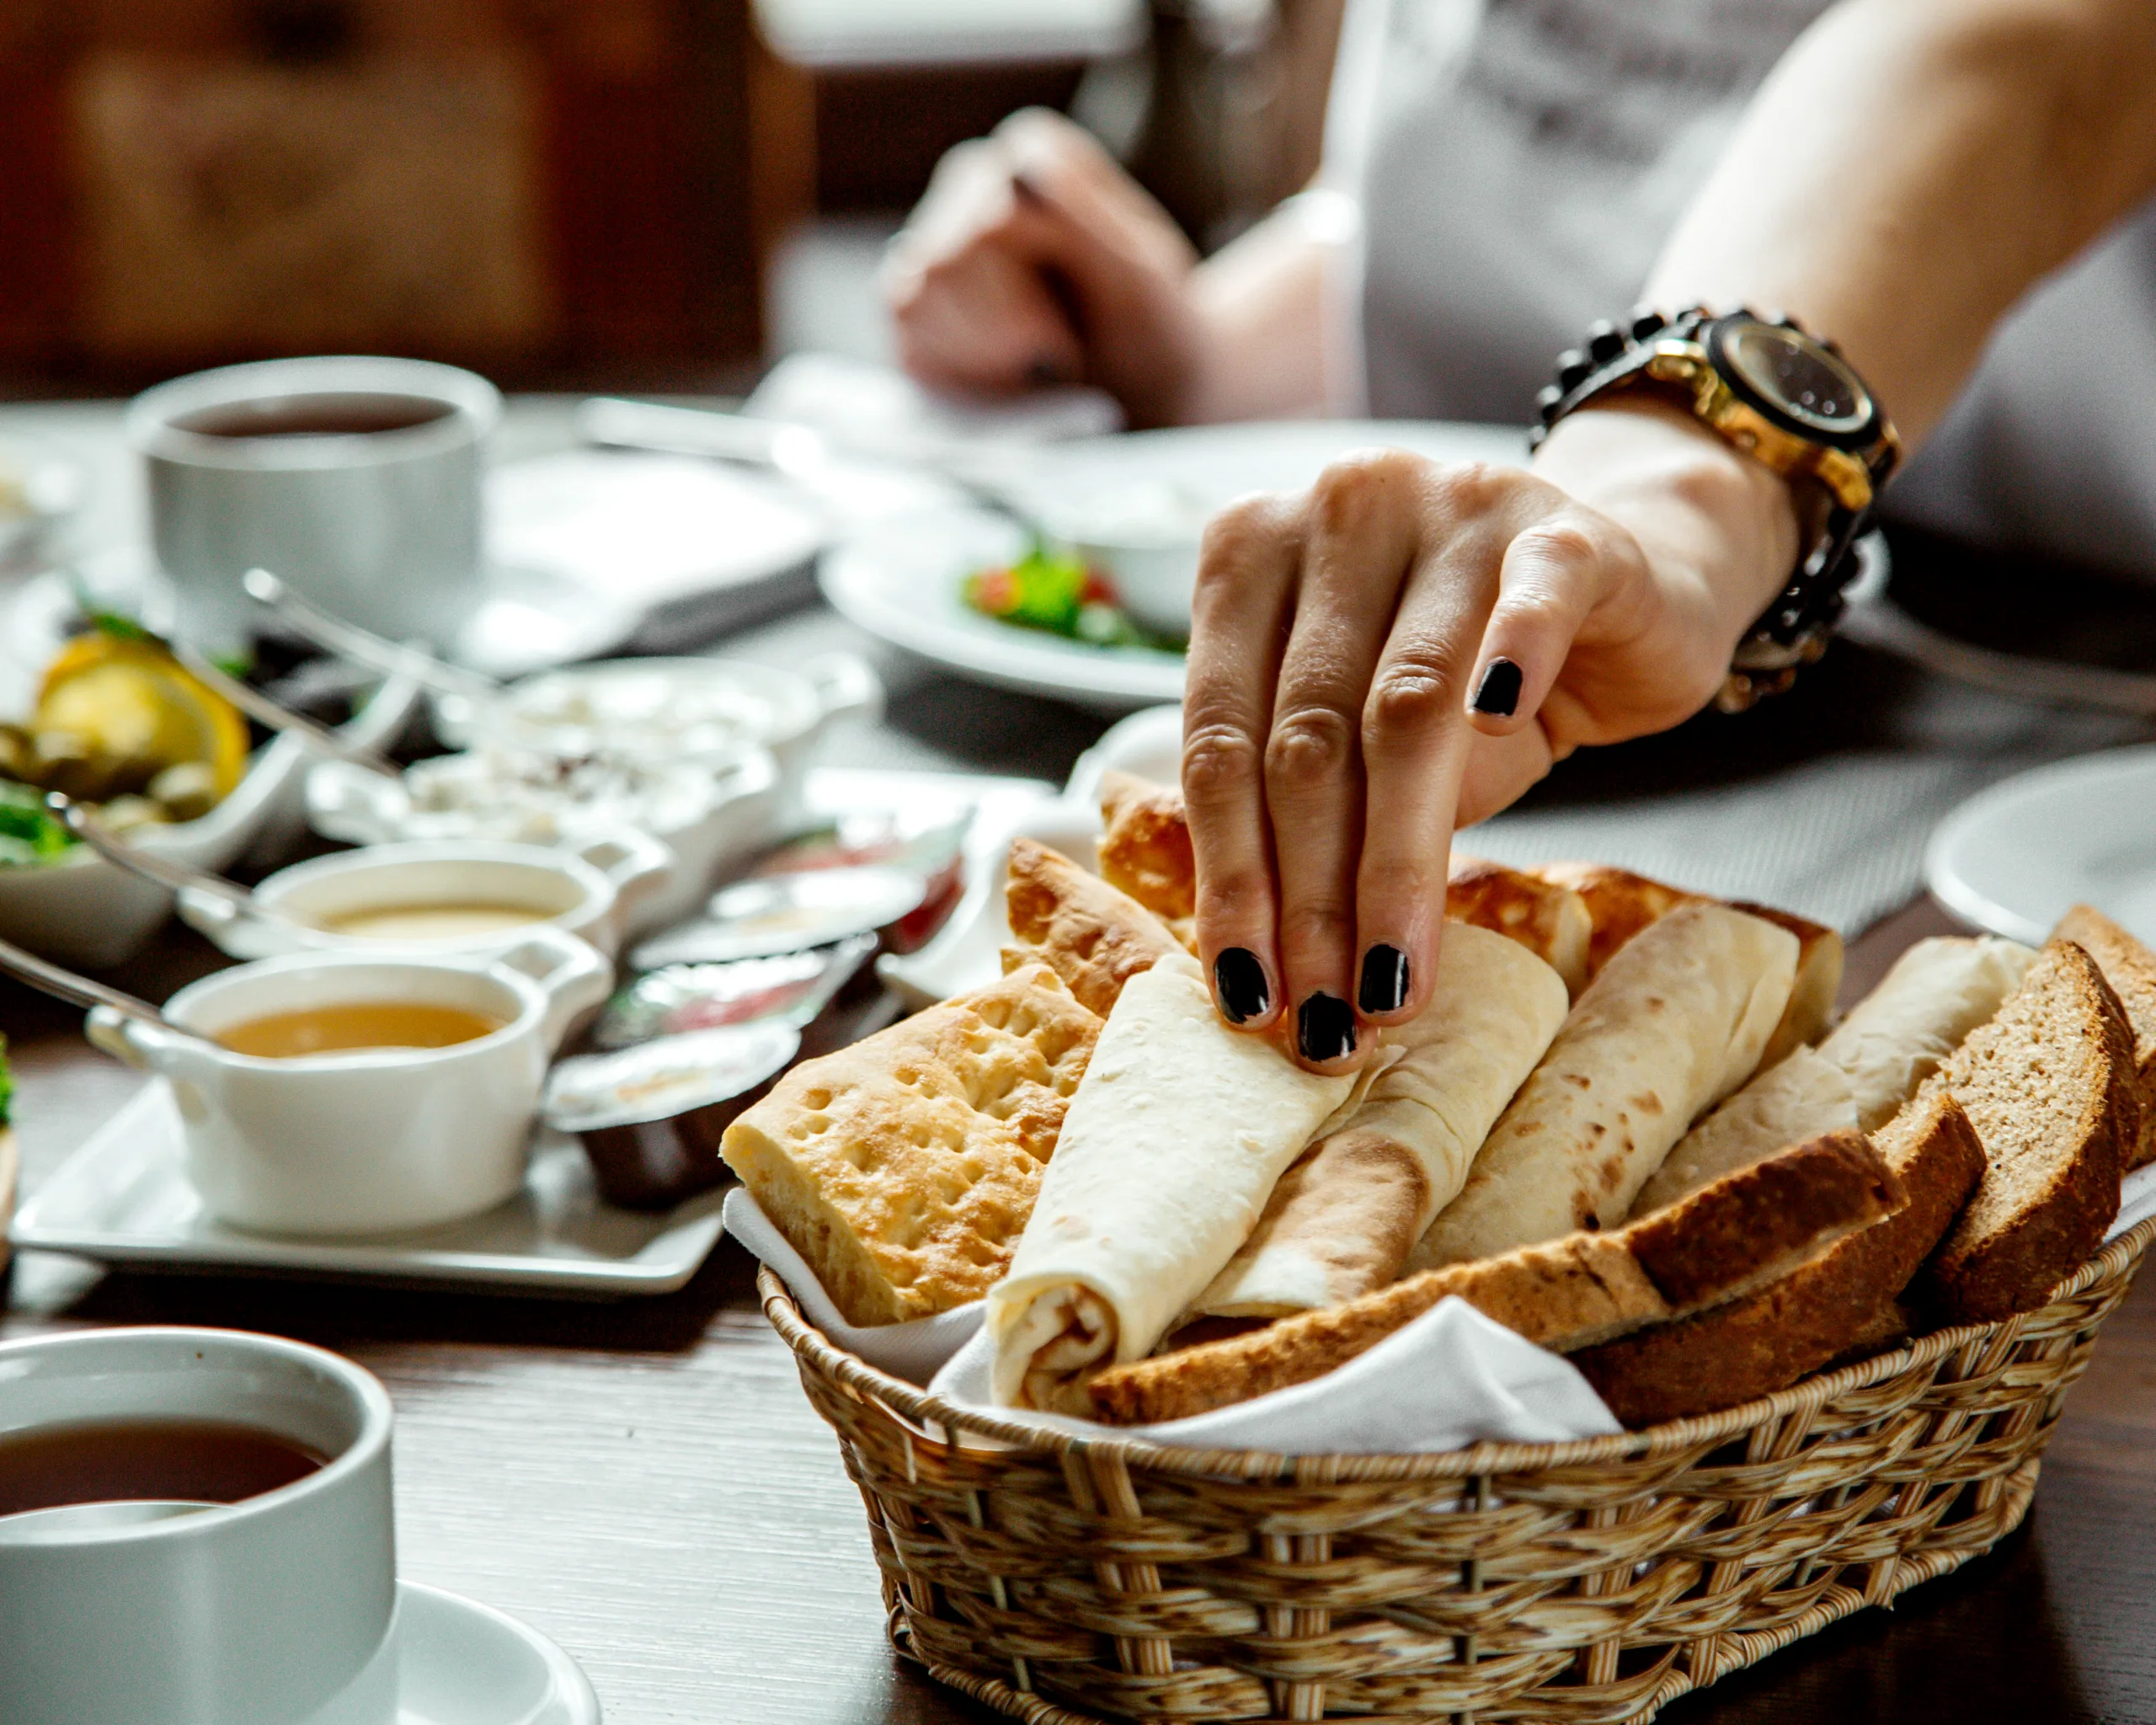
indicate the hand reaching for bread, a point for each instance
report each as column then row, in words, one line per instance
column 1623, row 1128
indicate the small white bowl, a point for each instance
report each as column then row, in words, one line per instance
column 675, row 709
column 81, row 910
column 1143, row 535
column 589, row 893
column 714, row 814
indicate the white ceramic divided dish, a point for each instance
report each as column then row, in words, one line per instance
column 738, row 803
column 2014, row 858
column 589, row 893
column 900, row 578
column 365, row 1140
column 84, row 910
column 661, row 709
column 270, row 1611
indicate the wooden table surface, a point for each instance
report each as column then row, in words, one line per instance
column 643, row 1480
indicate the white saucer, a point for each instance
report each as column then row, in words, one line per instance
column 125, row 1197
column 900, row 578
column 452, row 1661
column 2014, row 858
column 530, row 617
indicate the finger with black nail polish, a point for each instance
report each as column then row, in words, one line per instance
column 1498, row 692
column 1325, row 1028
column 1383, row 987
column 1239, row 985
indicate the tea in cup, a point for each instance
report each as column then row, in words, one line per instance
column 194, row 1528
column 329, row 1094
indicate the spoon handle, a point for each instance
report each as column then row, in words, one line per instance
column 163, row 870
column 362, row 646
column 78, row 990
column 260, row 707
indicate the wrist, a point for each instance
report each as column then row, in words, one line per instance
column 1704, row 513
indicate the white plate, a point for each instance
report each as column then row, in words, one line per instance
column 448, row 1660
column 2014, row 858
column 900, row 579
column 125, row 1197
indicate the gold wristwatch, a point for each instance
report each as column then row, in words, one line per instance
column 1782, row 397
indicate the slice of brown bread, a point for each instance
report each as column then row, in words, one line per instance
column 2130, row 967
column 2048, row 1083
column 1144, row 848
column 1551, row 922
column 1719, row 1243
column 1768, row 1340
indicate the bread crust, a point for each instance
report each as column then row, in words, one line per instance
column 1550, row 920
column 2130, row 967
column 2049, row 1084
column 1094, row 936
column 1718, row 1243
column 903, row 1168
column 1144, row 848
column 1822, row 1310
column 1619, row 903
column 1819, row 961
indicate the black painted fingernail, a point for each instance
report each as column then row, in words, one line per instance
column 1383, row 984
column 1239, row 983
column 1325, row 1029
column 1498, row 694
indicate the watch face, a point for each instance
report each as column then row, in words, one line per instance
column 1793, row 373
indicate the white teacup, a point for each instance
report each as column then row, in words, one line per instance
column 354, row 478
column 366, row 1141
column 590, row 893
column 274, row 1610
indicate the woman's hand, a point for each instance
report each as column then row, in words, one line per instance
column 1034, row 259
column 1407, row 646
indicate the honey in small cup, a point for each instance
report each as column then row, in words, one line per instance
column 346, row 1026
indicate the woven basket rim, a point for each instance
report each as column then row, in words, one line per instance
column 811, row 1346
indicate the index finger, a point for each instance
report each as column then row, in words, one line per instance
column 1240, row 620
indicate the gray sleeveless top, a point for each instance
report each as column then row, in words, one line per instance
column 1519, row 164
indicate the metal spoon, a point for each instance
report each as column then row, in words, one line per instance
column 796, row 452
column 362, row 646
column 263, row 711
column 51, row 979
column 165, row 871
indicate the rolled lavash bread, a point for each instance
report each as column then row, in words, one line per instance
column 1344, row 1217
column 1673, row 1023
column 1893, row 1040
column 1170, row 1146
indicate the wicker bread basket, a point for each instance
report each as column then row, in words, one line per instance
column 1065, row 1579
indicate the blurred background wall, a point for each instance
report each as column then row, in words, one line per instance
column 603, row 194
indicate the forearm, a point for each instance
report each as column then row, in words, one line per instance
column 1912, row 167
column 1266, row 309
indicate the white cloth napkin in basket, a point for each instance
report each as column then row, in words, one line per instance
column 1453, row 1377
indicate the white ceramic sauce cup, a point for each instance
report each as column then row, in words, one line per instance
column 590, row 892
column 368, row 1140
column 381, row 525
column 275, row 1610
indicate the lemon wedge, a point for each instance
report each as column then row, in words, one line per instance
column 131, row 705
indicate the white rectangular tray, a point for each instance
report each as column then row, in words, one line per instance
column 125, row 1197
